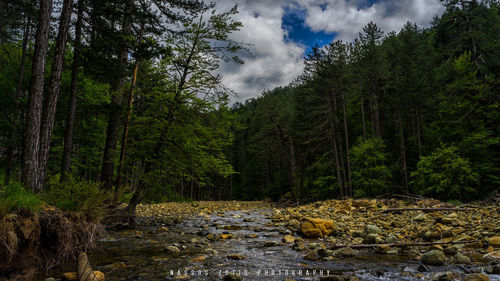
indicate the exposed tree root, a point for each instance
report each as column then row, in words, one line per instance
column 42, row 241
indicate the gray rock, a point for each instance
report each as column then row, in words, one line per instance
column 451, row 250
column 345, row 252
column 460, row 258
column 434, row 257
column 371, row 238
column 443, row 276
column 371, row 228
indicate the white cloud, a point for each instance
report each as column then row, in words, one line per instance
column 276, row 62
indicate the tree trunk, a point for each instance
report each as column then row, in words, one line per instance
column 419, row 143
column 1, row 21
column 49, row 112
column 30, row 165
column 70, row 121
column 334, row 145
column 346, row 133
column 125, row 133
column 402, row 151
column 115, row 109
column 293, row 164
column 363, row 115
column 19, row 91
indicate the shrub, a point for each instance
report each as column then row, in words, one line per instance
column 444, row 174
column 14, row 198
column 76, row 195
column 370, row 174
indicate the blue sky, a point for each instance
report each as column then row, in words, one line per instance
column 293, row 21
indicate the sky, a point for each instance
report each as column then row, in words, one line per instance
column 280, row 33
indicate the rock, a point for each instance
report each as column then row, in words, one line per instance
column 193, row 240
column 232, row 227
column 288, row 239
column 494, row 241
column 423, row 268
column 317, row 228
column 460, row 258
column 232, row 277
column 450, row 250
column 212, row 237
column 434, row 257
column 226, row 236
column 299, row 245
column 443, row 276
column 203, row 232
column 252, row 235
column 161, row 229
column 50, row 279
column 345, row 252
column 117, row 265
column 70, row 276
column 391, row 240
column 271, row 244
column 197, row 259
column 370, row 229
column 236, row 257
column 382, row 249
column 316, row 254
column 371, row 238
column 477, row 277
column 496, row 269
column 173, row 249
column 420, row 217
column 73, row 276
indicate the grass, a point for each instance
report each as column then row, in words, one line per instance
column 14, row 198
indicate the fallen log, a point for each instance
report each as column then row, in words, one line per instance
column 401, row 245
column 427, row 209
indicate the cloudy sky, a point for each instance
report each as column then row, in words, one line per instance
column 281, row 32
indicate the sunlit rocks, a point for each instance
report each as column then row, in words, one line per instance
column 434, row 257
column 316, row 228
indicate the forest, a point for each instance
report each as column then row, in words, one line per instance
column 122, row 101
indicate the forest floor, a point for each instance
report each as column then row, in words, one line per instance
column 336, row 239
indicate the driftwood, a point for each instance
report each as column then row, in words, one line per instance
column 85, row 272
column 401, row 245
column 427, row 209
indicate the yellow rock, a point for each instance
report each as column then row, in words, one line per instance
column 197, row 259
column 162, row 229
column 317, row 228
column 72, row 276
column 226, row 236
column 437, row 247
column 494, row 241
column 490, row 249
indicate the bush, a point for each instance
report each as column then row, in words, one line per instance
column 76, row 195
column 444, row 174
column 370, row 174
column 14, row 198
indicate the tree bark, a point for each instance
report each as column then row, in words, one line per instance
column 30, row 167
column 49, row 112
column 70, row 121
column 346, row 133
column 363, row 115
column 402, row 151
column 125, row 133
column 293, row 164
column 19, row 91
column 333, row 138
column 115, row 108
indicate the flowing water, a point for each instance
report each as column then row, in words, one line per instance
column 146, row 258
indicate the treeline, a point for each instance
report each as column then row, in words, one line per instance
column 412, row 112
column 121, row 93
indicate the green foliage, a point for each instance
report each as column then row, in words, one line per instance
column 444, row 174
column 14, row 198
column 76, row 195
column 370, row 174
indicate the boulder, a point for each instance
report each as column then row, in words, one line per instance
column 288, row 239
column 460, row 258
column 371, row 238
column 434, row 257
column 299, row 245
column 317, row 228
column 173, row 249
column 371, row 228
